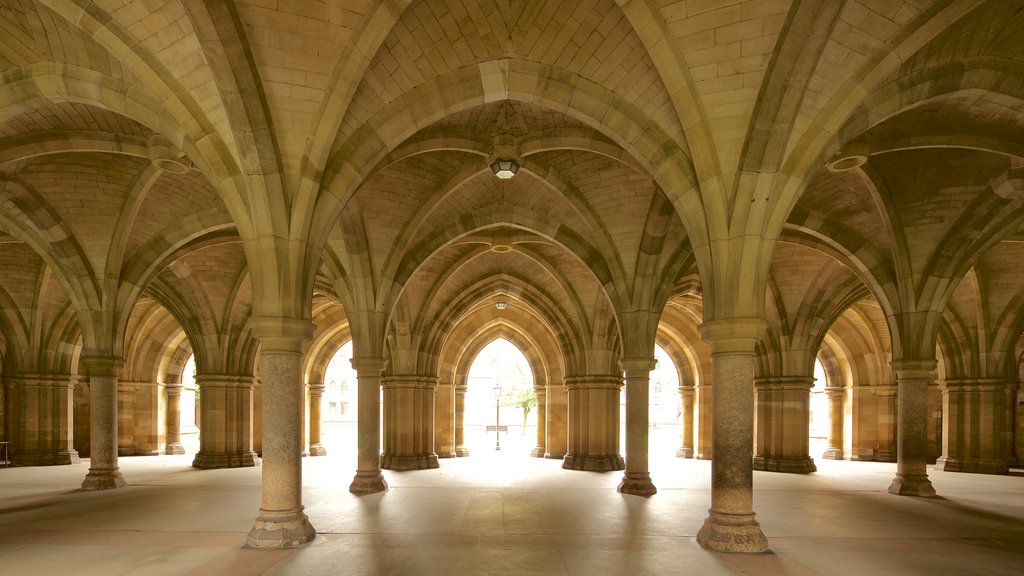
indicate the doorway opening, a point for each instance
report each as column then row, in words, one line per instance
column 339, row 403
column 500, row 409
column 189, row 407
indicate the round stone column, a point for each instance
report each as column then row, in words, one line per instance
column 173, row 434
column 912, row 428
column 730, row 525
column 316, row 396
column 281, row 522
column 686, row 427
column 369, row 478
column 460, row 420
column 637, row 478
column 104, row 472
column 834, row 394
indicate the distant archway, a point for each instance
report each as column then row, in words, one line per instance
column 499, row 392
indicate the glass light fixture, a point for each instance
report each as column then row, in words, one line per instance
column 501, row 305
column 505, row 168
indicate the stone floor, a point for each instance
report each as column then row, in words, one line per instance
column 503, row 513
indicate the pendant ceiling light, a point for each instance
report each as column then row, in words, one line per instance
column 504, row 168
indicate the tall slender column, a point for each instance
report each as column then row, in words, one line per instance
column 886, row 432
column 444, row 420
column 637, row 478
column 912, row 423
column 104, row 472
column 225, row 422
column 368, row 479
column 556, row 421
column 281, row 522
column 730, row 525
column 409, row 423
column 783, row 416
column 834, row 394
column 974, row 424
column 703, row 418
column 542, row 408
column 65, row 393
column 460, row 419
column 125, row 418
column 316, row 396
column 686, row 426
column 173, row 434
column 594, row 424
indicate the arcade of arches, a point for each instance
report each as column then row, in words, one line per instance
column 750, row 185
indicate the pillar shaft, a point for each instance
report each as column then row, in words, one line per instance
column 686, row 422
column 368, row 477
column 173, row 426
column 912, row 423
column 542, row 409
column 782, row 409
column 730, row 525
column 104, row 472
column 835, row 417
column 281, row 522
column 556, row 421
column 460, row 421
column 444, row 420
column 637, row 478
column 594, row 424
column 409, row 423
column 225, row 422
column 316, row 397
column 974, row 425
column 125, row 418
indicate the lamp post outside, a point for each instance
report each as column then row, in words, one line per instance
column 497, row 414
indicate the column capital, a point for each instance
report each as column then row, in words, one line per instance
column 638, row 364
column 103, row 366
column 733, row 335
column 914, row 368
column 370, row 365
column 281, row 334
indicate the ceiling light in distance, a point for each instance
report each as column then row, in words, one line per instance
column 504, row 168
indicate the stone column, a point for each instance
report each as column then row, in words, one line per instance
column 41, row 420
column 594, row 424
column 104, row 472
column 686, row 426
column 912, row 423
column 368, row 479
column 173, row 437
column 703, row 418
column 730, row 525
column 225, row 422
column 637, row 478
column 834, row 394
column 316, row 396
column 64, row 391
column 556, row 421
column 542, row 409
column 887, row 422
column 783, row 418
column 973, row 427
column 125, row 418
column 444, row 420
column 460, row 419
column 281, row 522
column 1010, row 455
column 409, row 423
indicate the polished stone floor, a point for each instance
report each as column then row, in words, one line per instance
column 504, row 513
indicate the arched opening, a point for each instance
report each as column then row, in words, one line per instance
column 821, row 422
column 500, row 409
column 338, row 405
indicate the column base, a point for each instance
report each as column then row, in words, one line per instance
column 277, row 530
column 554, row 455
column 103, row 479
column 408, row 461
column 174, row 448
column 912, row 485
column 126, row 450
column 972, row 465
column 732, row 533
column 209, row 461
column 799, row 465
column 537, row 452
column 684, row 452
column 461, row 451
column 884, row 456
column 68, row 457
column 317, row 450
column 368, row 483
column 637, row 484
column 606, row 463
column 833, row 454
column 447, row 453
